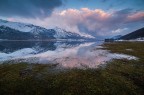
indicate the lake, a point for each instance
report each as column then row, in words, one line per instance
column 67, row 54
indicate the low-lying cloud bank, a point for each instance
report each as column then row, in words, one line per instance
column 97, row 22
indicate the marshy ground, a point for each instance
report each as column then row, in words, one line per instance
column 117, row 77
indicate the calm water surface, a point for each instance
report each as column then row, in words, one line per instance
column 65, row 54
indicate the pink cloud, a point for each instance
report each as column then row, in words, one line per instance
column 95, row 22
column 11, row 19
column 138, row 16
column 86, row 16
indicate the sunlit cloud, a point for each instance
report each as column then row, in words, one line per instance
column 138, row 16
column 97, row 22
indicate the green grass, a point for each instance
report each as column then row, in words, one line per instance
column 120, row 47
column 119, row 77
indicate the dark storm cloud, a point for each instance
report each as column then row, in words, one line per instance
column 28, row 8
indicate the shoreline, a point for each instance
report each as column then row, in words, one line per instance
column 117, row 77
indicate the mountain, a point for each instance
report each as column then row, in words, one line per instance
column 12, row 34
column 62, row 34
column 134, row 35
column 21, row 31
column 18, row 26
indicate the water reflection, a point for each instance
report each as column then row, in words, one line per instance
column 39, row 46
column 17, row 49
column 66, row 54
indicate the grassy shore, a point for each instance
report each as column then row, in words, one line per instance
column 118, row 77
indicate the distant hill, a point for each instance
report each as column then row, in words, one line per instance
column 134, row 35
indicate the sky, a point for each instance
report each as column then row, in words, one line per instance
column 98, row 18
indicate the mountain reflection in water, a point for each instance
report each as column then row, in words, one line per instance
column 65, row 54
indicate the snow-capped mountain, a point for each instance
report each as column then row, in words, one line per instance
column 17, row 26
column 33, row 32
column 61, row 33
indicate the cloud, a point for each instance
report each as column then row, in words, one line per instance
column 139, row 16
column 119, row 30
column 97, row 22
column 28, row 8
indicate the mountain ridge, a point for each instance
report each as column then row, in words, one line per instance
column 35, row 32
column 134, row 35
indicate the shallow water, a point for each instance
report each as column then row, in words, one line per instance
column 66, row 54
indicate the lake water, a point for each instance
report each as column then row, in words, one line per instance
column 65, row 54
